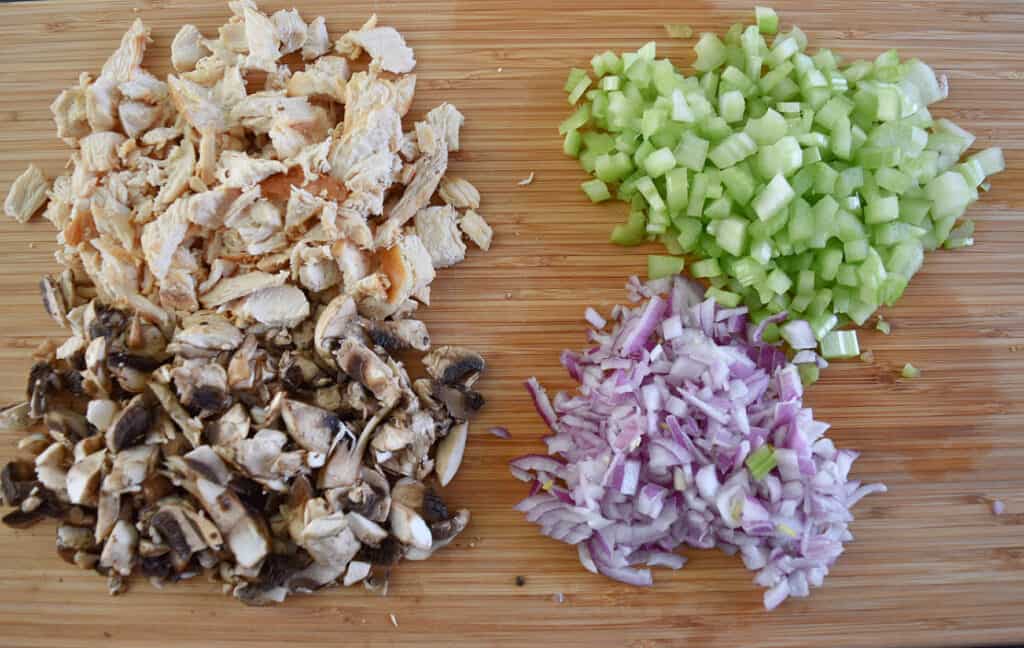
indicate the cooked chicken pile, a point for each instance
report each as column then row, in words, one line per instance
column 244, row 244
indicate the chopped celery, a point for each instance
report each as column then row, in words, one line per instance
column 596, row 190
column 774, row 197
column 731, row 106
column 571, row 145
column 659, row 162
column 767, row 20
column 883, row 326
column 799, row 182
column 723, row 297
column 663, row 266
column 692, row 152
column 909, row 371
column 809, row 373
column 711, row 53
column 761, row 462
column 840, row 344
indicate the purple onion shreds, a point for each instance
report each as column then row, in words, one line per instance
column 998, row 507
column 687, row 429
column 500, row 432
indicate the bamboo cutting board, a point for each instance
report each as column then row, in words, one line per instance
column 930, row 565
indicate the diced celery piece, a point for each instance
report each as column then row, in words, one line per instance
column 598, row 143
column 735, row 148
column 767, row 129
column 731, row 235
column 652, row 121
column 850, row 179
column 767, row 20
column 801, row 225
column 834, row 109
column 847, row 275
column 748, row 271
column 778, row 282
column 596, row 190
column 676, row 188
column 612, row 167
column 659, row 162
column 949, row 195
column 705, row 268
column 761, row 251
column 631, row 232
column 882, row 210
column 698, row 193
column 991, row 160
column 892, row 180
column 841, row 140
column 571, row 144
column 689, row 233
column 578, row 90
column 681, row 111
column 775, row 196
column 718, row 208
column 711, row 53
column 642, row 151
column 828, row 262
column 854, row 251
column 650, row 193
column 659, row 266
column 783, row 49
column 731, row 106
column 576, row 120
column 840, row 344
column 739, row 183
column 575, row 76
column 692, row 152
column 784, row 157
column 805, row 282
column 723, row 297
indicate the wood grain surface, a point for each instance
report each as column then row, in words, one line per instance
column 930, row 565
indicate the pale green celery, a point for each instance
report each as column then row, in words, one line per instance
column 840, row 344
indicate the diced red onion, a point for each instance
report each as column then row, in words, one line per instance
column 652, row 448
column 998, row 507
column 799, row 334
column 500, row 432
column 594, row 318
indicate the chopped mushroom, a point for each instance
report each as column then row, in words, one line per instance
column 240, row 264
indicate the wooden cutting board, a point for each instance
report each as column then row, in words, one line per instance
column 930, row 565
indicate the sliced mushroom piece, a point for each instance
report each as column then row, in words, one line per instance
column 177, row 532
column 74, row 539
column 344, row 463
column 451, row 365
column 191, row 427
column 362, row 364
column 15, row 418
column 131, row 424
column 408, row 527
column 399, row 335
column 53, row 300
column 461, row 402
column 311, row 427
column 83, row 480
column 283, row 306
column 443, row 533
column 334, row 321
column 245, row 533
column 51, row 468
column 356, row 572
column 205, row 333
column 206, row 463
column 66, row 426
column 120, row 550
column 232, row 427
column 101, row 413
column 17, row 479
column 449, row 453
column 315, row 576
column 330, row 540
column 107, row 510
column 258, row 595
column 409, row 492
column 130, row 469
column 366, row 530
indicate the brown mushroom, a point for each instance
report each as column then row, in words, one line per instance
column 449, row 453
column 132, row 423
column 451, row 365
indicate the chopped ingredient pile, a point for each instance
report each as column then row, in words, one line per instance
column 800, row 182
column 688, row 429
column 245, row 244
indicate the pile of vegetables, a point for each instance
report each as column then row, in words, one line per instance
column 800, row 183
column 688, row 429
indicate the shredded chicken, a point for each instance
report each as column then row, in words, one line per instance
column 27, row 194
